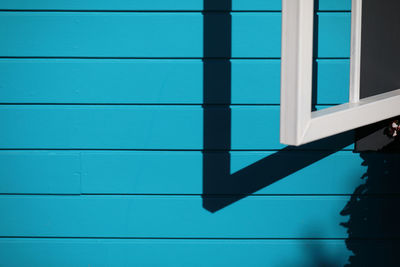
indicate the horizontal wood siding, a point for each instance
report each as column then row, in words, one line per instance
column 131, row 134
column 181, row 216
column 37, row 172
column 141, row 127
column 118, row 252
column 154, row 35
column 177, row 172
column 155, row 81
column 162, row 5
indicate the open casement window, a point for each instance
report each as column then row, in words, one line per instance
column 374, row 68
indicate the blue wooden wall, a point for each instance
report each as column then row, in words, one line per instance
column 146, row 133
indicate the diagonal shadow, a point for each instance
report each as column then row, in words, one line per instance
column 220, row 187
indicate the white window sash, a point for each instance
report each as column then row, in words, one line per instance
column 298, row 124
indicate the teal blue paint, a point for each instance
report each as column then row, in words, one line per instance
column 333, row 81
column 101, row 81
column 111, row 127
column 342, row 172
column 153, row 81
column 172, row 216
column 264, row 87
column 256, row 35
column 251, row 134
column 338, row 5
column 304, row 203
column 104, row 5
column 262, row 131
column 101, row 34
column 37, row 172
column 181, row 172
column 333, row 35
column 177, row 172
column 142, row 172
column 153, row 34
column 133, row 127
column 174, row 253
column 271, row 5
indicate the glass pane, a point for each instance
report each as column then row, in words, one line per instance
column 380, row 48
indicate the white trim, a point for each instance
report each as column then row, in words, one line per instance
column 355, row 53
column 296, row 67
column 349, row 116
column 298, row 124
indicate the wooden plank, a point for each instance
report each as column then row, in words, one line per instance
column 133, row 172
column 116, row 252
column 195, row 5
column 39, row 172
column 155, row 81
column 337, row 5
column 103, row 81
column 176, row 216
column 145, row 127
column 282, row 217
column 182, row 172
column 138, row 34
column 94, row 34
column 333, row 35
column 117, row 127
column 333, row 79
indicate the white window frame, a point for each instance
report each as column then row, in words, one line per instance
column 298, row 124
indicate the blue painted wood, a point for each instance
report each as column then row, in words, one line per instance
column 111, row 34
column 93, row 34
column 261, row 131
column 172, row 216
column 104, row 5
column 159, row 5
column 101, row 81
column 256, row 35
column 153, row 81
column 133, row 172
column 52, row 172
column 264, row 87
column 117, row 252
column 138, row 127
column 333, row 80
column 333, row 35
column 104, row 81
column 156, row 127
column 338, row 5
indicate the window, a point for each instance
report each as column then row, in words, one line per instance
column 300, row 125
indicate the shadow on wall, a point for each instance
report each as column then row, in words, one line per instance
column 373, row 226
column 220, row 187
column 374, row 220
